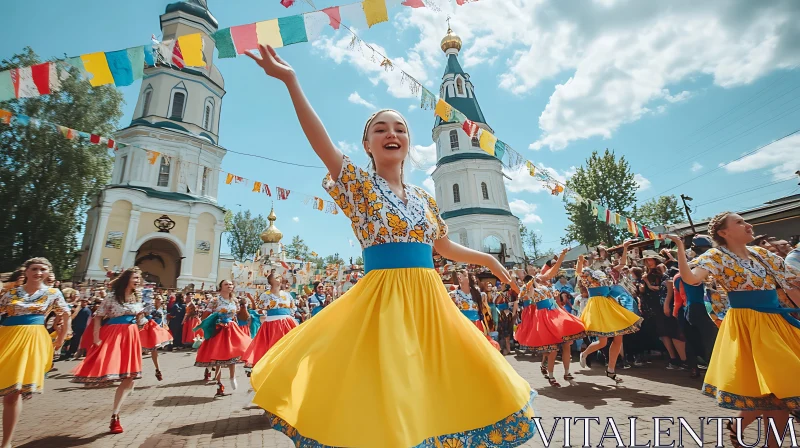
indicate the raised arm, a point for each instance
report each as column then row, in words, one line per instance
column 312, row 126
column 554, row 270
column 624, row 260
column 688, row 275
column 579, row 266
column 456, row 252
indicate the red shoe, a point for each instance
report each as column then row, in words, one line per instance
column 159, row 377
column 207, row 376
column 115, row 426
column 220, row 389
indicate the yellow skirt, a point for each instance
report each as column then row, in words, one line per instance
column 26, row 354
column 393, row 363
column 754, row 358
column 604, row 317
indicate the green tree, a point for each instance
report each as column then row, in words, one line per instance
column 244, row 234
column 608, row 181
column 360, row 260
column 659, row 211
column 531, row 243
column 297, row 249
column 46, row 181
column 333, row 259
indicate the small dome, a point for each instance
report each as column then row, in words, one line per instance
column 451, row 41
column 272, row 234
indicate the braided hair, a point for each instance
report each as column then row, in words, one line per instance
column 717, row 223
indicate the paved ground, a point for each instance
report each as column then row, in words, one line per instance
column 181, row 410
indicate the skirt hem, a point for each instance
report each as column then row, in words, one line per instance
column 24, row 389
column 158, row 346
column 107, row 378
column 509, row 432
column 554, row 347
column 728, row 400
column 627, row 330
column 216, row 363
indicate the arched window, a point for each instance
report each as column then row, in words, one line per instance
column 177, row 106
column 454, row 140
column 148, row 96
column 492, row 244
column 484, row 190
column 475, row 142
column 456, row 194
column 163, row 173
column 459, row 86
column 208, row 114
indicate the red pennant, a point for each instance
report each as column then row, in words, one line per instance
column 177, row 56
column 110, row 143
column 470, row 128
column 94, row 139
column 41, row 77
column 287, row 3
column 334, row 16
column 413, row 3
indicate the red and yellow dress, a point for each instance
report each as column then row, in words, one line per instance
column 279, row 321
column 119, row 355
column 470, row 310
column 758, row 341
column 190, row 321
column 602, row 315
column 26, row 350
column 225, row 341
column 545, row 325
column 153, row 334
column 392, row 363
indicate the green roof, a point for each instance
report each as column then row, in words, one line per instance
column 194, row 8
column 476, row 211
column 467, row 106
column 465, row 156
column 169, row 195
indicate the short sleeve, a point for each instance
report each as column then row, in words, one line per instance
column 5, row 301
column 348, row 188
column 778, row 266
column 711, row 261
column 105, row 308
column 58, row 301
column 436, row 215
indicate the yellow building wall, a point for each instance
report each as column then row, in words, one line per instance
column 146, row 226
column 204, row 231
column 224, row 273
column 117, row 222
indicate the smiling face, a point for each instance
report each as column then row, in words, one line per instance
column 37, row 272
column 135, row 281
column 386, row 139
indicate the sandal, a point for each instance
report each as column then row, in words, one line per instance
column 613, row 376
column 568, row 376
column 734, row 438
column 543, row 369
column 552, row 381
column 159, row 377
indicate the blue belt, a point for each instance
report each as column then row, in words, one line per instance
column 600, row 291
column 546, row 304
column 158, row 321
column 695, row 294
column 120, row 320
column 471, row 315
column 764, row 301
column 241, row 323
column 398, row 256
column 502, row 306
column 527, row 303
column 316, row 310
column 224, row 319
column 279, row 312
column 25, row 319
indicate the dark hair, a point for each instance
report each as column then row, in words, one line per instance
column 120, row 284
column 637, row 272
column 527, row 278
column 16, row 275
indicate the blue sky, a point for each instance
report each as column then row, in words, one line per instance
column 676, row 88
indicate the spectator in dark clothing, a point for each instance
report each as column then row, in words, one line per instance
column 80, row 320
column 176, row 314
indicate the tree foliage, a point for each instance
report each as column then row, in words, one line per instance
column 531, row 243
column 659, row 211
column 333, row 259
column 609, row 181
column 297, row 249
column 47, row 182
column 244, row 234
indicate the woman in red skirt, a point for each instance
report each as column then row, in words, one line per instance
column 277, row 305
column 546, row 326
column 468, row 299
column 116, row 354
column 190, row 321
column 154, row 335
column 225, row 341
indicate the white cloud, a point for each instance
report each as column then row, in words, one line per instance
column 696, row 167
column 355, row 98
column 615, row 61
column 428, row 183
column 346, row 147
column 521, row 180
column 642, row 181
column 526, row 210
column 296, row 219
column 782, row 157
column 424, row 156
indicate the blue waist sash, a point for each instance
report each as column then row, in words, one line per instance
column 398, row 256
column 224, row 319
column 502, row 306
column 526, row 303
column 25, row 319
column 241, row 323
column 316, row 310
column 471, row 314
column 695, row 294
column 546, row 304
column 159, row 320
column 279, row 312
column 120, row 320
column 764, row 301
column 600, row 291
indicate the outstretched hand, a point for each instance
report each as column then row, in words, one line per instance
column 272, row 64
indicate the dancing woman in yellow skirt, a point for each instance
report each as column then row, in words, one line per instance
column 26, row 350
column 603, row 316
column 392, row 362
column 758, row 341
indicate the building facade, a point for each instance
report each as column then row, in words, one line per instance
column 469, row 183
column 161, row 214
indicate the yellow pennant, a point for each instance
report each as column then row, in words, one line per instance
column 256, row 187
column 487, row 142
column 443, row 110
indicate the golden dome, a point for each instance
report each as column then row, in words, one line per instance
column 272, row 234
column 451, row 41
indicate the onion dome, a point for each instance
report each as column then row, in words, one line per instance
column 451, row 40
column 272, row 234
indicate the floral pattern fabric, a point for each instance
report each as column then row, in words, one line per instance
column 112, row 308
column 594, row 278
column 269, row 301
column 377, row 215
column 17, row 302
column 225, row 308
column 463, row 300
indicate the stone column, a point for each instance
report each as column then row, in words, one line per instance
column 95, row 269
column 215, row 252
column 187, row 266
column 129, row 251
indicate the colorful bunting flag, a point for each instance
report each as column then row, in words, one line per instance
column 375, row 12
column 499, row 149
column 269, row 33
column 487, row 142
column 413, row 3
column 428, row 99
column 191, row 48
column 5, row 116
column 443, row 110
column 6, row 86
column 223, row 40
column 470, row 128
column 97, row 65
column 315, row 22
column 531, row 168
column 24, row 87
column 229, row 178
column 334, row 15
column 353, row 15
column 256, row 187
column 292, row 30
column 244, row 37
column 121, row 68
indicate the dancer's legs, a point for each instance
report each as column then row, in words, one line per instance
column 12, row 409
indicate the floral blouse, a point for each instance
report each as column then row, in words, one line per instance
column 17, row 302
column 732, row 273
column 269, row 301
column 592, row 278
column 112, row 308
column 464, row 300
column 225, row 308
column 156, row 314
column 377, row 215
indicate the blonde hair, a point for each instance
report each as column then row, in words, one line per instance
column 717, row 223
column 37, row 260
